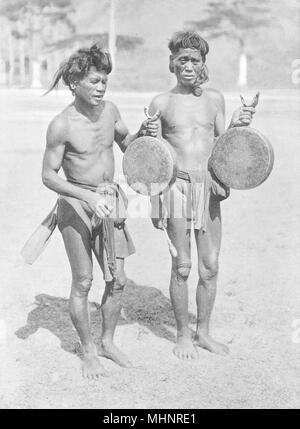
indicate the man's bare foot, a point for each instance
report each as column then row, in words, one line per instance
column 92, row 368
column 207, row 342
column 110, row 351
column 184, row 348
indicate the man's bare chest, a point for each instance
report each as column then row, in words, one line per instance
column 88, row 138
column 182, row 115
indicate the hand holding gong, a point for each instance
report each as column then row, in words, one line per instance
column 242, row 116
column 150, row 125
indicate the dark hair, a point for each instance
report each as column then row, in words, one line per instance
column 78, row 65
column 188, row 39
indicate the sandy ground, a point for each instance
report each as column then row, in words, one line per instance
column 257, row 310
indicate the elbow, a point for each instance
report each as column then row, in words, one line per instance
column 46, row 179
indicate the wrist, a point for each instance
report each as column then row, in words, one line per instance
column 141, row 132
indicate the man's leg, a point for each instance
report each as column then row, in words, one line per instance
column 181, row 267
column 111, row 308
column 77, row 239
column 208, row 247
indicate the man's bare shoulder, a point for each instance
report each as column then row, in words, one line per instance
column 160, row 101
column 112, row 110
column 110, row 104
column 216, row 96
column 59, row 126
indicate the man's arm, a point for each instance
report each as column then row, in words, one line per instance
column 52, row 162
column 241, row 117
column 220, row 116
column 156, row 106
column 122, row 136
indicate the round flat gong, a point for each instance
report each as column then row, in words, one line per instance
column 148, row 166
column 242, row 158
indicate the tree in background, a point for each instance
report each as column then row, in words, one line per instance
column 110, row 11
column 42, row 32
column 236, row 19
column 107, row 8
column 92, row 16
column 31, row 24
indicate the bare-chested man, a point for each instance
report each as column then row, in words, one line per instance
column 191, row 118
column 80, row 140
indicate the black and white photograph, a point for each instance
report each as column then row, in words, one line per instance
column 150, row 214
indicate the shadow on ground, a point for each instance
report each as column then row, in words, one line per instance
column 144, row 305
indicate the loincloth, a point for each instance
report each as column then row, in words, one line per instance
column 187, row 198
column 114, row 240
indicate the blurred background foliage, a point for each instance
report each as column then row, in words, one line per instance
column 252, row 44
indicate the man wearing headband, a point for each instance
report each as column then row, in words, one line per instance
column 191, row 118
column 80, row 141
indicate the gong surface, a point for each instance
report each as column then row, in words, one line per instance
column 242, row 158
column 148, row 166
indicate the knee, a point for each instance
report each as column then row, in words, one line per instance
column 208, row 270
column 183, row 272
column 82, row 284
